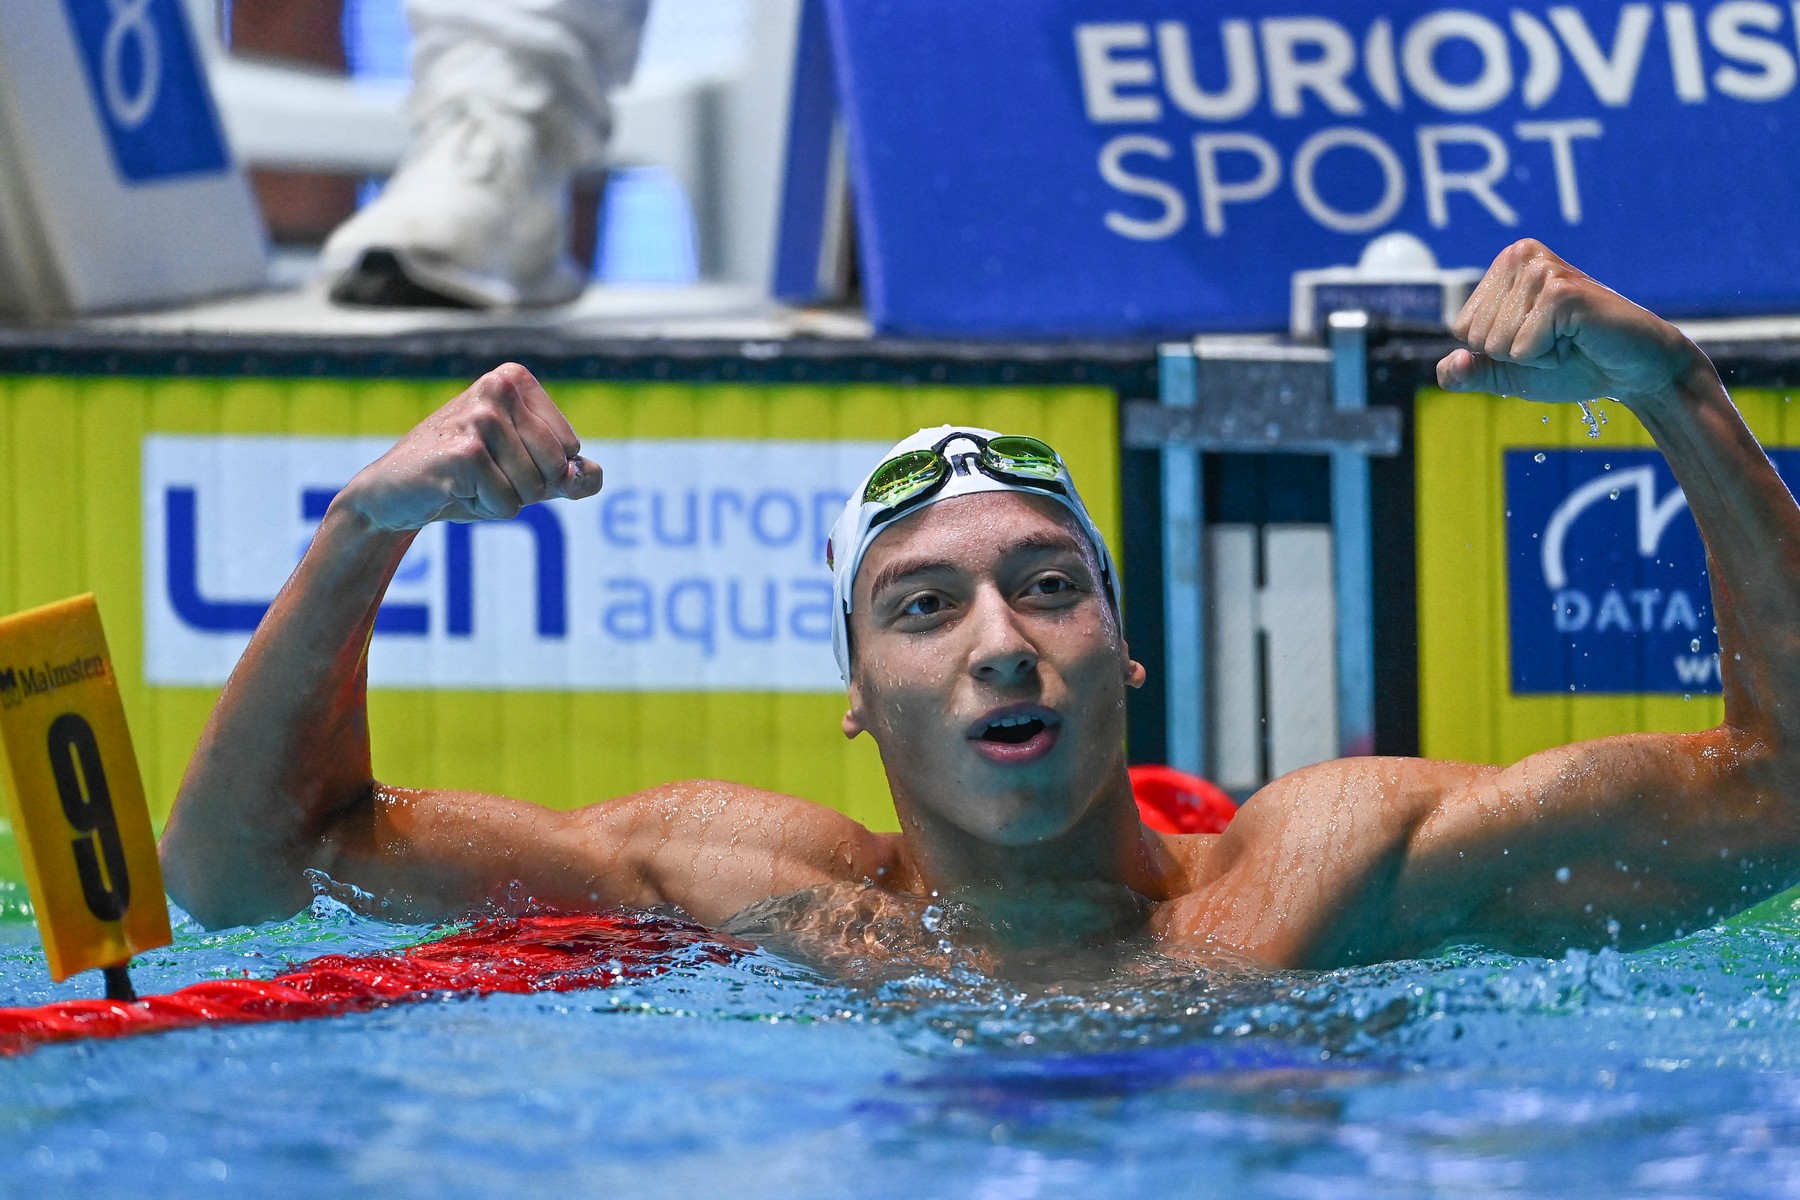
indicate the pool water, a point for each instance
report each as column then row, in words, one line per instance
column 1673, row 1071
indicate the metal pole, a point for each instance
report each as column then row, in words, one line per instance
column 1352, row 552
column 1183, row 531
column 118, row 982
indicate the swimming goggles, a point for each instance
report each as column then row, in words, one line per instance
column 905, row 481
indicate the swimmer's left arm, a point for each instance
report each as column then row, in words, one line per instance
column 1624, row 840
column 1630, row 839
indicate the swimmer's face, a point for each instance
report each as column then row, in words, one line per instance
column 989, row 667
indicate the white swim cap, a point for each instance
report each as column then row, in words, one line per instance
column 949, row 460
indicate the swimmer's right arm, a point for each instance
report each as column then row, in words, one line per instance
column 281, row 779
column 281, row 782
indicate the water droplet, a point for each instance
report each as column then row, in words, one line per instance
column 1588, row 418
column 1694, row 645
column 1613, row 495
column 1562, row 874
column 1538, row 457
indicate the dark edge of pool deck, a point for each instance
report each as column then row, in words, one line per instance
column 711, row 331
column 1129, row 367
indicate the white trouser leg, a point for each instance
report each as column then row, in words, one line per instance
column 548, row 59
column 509, row 100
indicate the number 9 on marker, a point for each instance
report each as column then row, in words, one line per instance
column 73, row 791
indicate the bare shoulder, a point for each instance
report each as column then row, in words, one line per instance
column 746, row 818
column 1349, row 802
column 1307, row 854
column 714, row 847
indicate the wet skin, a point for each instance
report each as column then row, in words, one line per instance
column 991, row 672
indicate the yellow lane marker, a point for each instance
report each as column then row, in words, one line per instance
column 74, row 794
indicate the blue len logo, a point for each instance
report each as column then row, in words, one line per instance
column 143, row 72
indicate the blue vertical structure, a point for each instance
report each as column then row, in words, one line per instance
column 1184, row 576
column 807, row 168
column 1351, row 544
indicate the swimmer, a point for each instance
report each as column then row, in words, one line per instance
column 984, row 655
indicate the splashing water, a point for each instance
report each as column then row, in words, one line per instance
column 1592, row 415
column 1674, row 1070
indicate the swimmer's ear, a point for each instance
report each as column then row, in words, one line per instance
column 853, row 722
column 1134, row 671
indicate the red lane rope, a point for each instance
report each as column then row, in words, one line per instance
column 542, row 952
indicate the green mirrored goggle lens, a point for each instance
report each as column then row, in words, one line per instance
column 904, row 475
column 1018, row 455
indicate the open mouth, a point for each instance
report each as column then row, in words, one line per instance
column 1024, row 735
column 1013, row 731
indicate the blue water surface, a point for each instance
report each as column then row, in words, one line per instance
column 1668, row 1072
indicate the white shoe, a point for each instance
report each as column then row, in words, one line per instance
column 476, row 216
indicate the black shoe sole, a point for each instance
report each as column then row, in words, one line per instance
column 379, row 281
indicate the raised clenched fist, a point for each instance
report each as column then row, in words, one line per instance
column 499, row 446
column 1536, row 327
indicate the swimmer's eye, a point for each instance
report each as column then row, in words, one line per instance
column 926, row 604
column 1051, row 585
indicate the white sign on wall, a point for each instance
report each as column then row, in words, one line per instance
column 119, row 188
column 700, row 567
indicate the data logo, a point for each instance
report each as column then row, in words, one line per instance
column 1606, row 574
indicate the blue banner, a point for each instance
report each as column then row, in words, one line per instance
column 1132, row 167
column 1606, row 575
column 148, row 90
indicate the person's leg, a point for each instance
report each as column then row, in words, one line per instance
column 509, row 101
